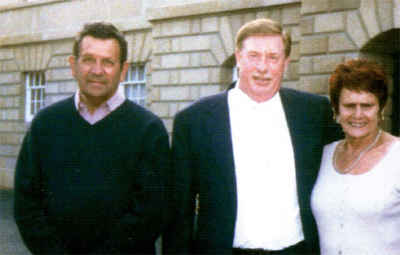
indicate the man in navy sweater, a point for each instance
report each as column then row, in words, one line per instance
column 91, row 171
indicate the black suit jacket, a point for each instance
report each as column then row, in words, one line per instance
column 203, row 164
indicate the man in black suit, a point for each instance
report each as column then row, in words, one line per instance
column 248, row 157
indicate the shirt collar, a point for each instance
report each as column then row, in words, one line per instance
column 116, row 100
column 247, row 104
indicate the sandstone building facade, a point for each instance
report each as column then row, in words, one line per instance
column 180, row 51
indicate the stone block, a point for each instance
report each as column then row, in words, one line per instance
column 291, row 15
column 338, row 5
column 9, row 102
column 385, row 13
column 6, row 175
column 220, row 50
column 13, row 127
column 225, row 42
column 307, row 25
column 396, row 9
column 195, row 76
column 175, row 77
column 62, row 48
column 293, row 71
column 317, row 84
column 295, row 34
column 306, row 65
column 156, row 62
column 174, row 28
column 195, row 43
column 313, row 45
column 194, row 93
column 157, row 30
column 11, row 138
column 330, row 22
column 10, row 90
column 295, row 52
column 61, row 74
column 249, row 16
column 160, row 77
column 9, row 78
column 162, row 45
column 9, row 66
column 173, row 109
column 6, row 54
column 312, row 6
column 175, row 60
column 154, row 94
column 160, row 109
column 215, row 75
column 208, row 90
column 263, row 15
column 355, row 29
column 276, row 14
column 327, row 63
column 369, row 17
column 210, row 25
column 9, row 150
column 58, row 62
column 68, row 87
column 352, row 55
column 51, row 99
column 195, row 59
column 183, row 105
column 340, row 43
column 176, row 93
column 290, row 84
column 176, row 44
column 52, row 88
column 195, row 26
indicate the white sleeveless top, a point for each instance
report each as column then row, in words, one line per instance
column 358, row 214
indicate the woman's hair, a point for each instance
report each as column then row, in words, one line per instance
column 360, row 75
column 263, row 27
column 105, row 31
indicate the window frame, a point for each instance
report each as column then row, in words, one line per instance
column 35, row 83
column 137, row 92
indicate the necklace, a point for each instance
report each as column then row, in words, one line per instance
column 334, row 159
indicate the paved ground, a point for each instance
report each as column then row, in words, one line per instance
column 10, row 240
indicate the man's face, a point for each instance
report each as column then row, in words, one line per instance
column 98, row 70
column 261, row 63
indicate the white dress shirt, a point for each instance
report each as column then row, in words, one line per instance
column 268, row 215
column 116, row 100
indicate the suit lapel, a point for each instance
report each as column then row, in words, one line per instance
column 219, row 131
column 293, row 117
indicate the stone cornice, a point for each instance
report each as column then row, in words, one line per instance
column 214, row 6
column 12, row 7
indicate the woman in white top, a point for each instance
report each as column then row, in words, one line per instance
column 356, row 199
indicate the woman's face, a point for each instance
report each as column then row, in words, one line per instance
column 359, row 113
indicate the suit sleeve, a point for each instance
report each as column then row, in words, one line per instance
column 37, row 232
column 182, row 189
column 137, row 231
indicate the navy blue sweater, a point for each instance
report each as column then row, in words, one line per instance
column 83, row 189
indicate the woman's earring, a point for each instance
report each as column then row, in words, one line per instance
column 336, row 118
column 381, row 118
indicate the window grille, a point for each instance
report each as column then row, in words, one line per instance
column 35, row 84
column 135, row 84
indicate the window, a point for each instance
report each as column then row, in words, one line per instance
column 35, row 84
column 135, row 84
